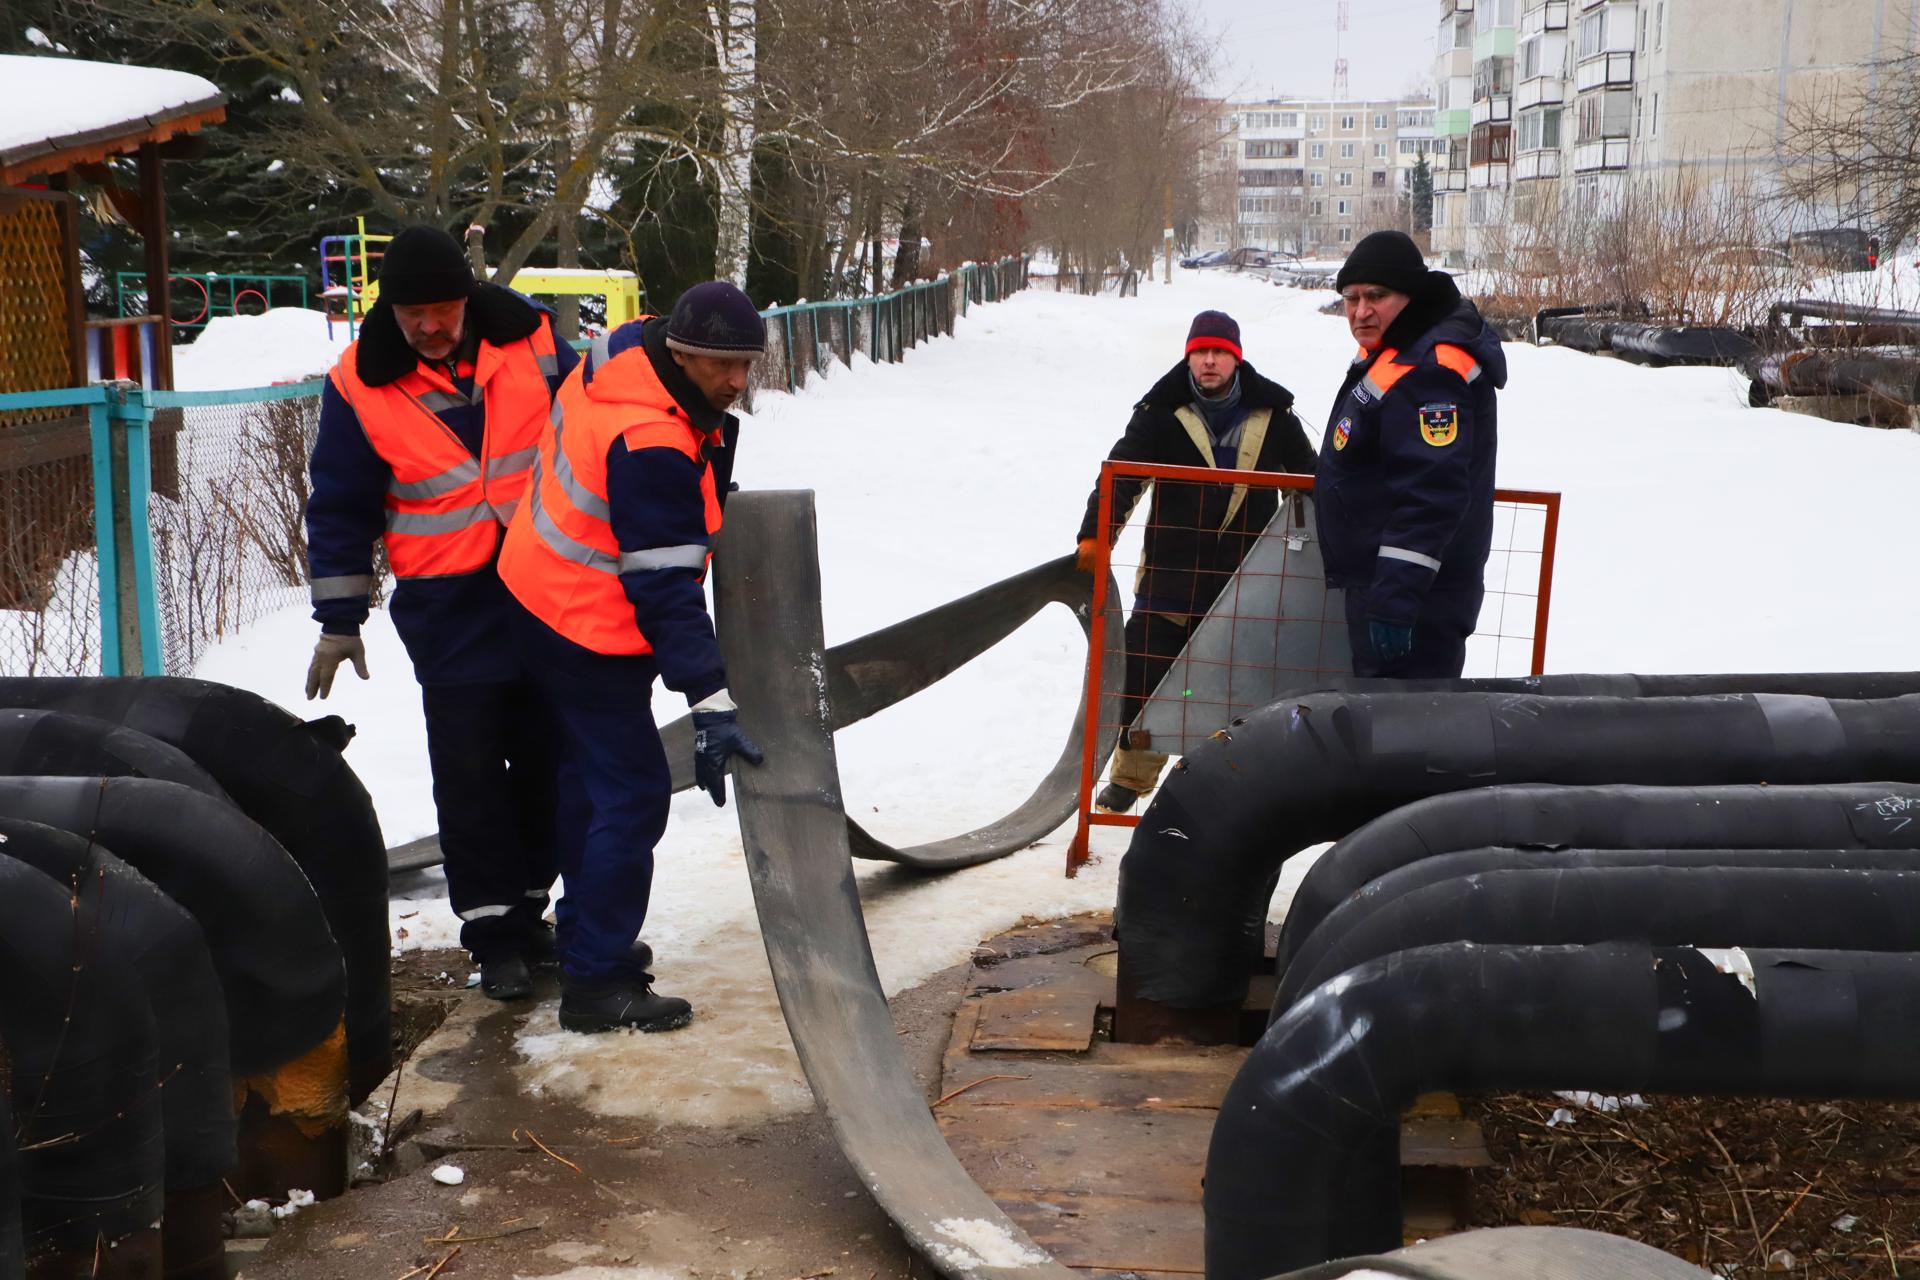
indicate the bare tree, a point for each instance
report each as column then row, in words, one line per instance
column 1854, row 150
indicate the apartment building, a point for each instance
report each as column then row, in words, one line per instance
column 1542, row 102
column 1311, row 176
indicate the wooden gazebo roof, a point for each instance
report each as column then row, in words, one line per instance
column 57, row 113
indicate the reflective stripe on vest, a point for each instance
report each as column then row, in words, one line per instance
column 1384, row 373
column 444, row 506
column 561, row 559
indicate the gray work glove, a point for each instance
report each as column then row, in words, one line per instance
column 327, row 657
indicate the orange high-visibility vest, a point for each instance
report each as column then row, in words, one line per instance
column 1385, row 369
column 445, row 507
column 561, row 559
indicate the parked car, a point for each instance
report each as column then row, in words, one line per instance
column 1835, row 248
column 1203, row 259
column 1245, row 257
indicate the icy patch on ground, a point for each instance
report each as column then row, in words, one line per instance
column 980, row 1243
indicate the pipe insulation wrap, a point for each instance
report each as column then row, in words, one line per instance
column 1304, row 1164
column 60, row 744
column 175, row 970
column 1820, row 684
column 287, row 775
column 1807, row 908
column 1855, row 817
column 1516, row 1253
column 84, row 1084
column 280, row 972
column 1199, row 873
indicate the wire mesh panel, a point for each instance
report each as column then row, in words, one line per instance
column 49, row 575
column 229, row 539
column 1228, row 608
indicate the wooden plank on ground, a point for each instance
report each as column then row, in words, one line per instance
column 1038, row 1152
column 1044, row 1017
column 1115, row 1234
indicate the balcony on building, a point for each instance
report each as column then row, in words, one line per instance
column 1541, row 91
column 1492, row 110
column 1450, row 7
column 1604, row 153
column 1551, row 16
column 1529, row 165
column 1603, row 70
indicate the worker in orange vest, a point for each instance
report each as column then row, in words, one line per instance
column 426, row 443
column 608, row 557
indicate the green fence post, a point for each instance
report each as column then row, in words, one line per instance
column 123, row 536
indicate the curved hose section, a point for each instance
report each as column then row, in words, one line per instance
column 288, row 776
column 1304, row 1163
column 1197, row 878
column 1851, row 816
column 1516, row 1253
column 84, row 1083
column 1805, row 907
column 279, row 969
column 174, row 969
column 63, row 745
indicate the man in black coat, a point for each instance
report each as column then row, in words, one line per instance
column 1213, row 409
column 1405, row 492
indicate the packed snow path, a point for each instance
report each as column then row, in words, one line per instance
column 1697, row 535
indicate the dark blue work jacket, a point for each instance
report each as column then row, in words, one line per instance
column 1404, row 489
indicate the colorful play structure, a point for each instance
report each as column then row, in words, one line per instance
column 350, row 268
column 196, row 298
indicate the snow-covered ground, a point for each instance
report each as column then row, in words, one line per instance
column 286, row 344
column 1697, row 535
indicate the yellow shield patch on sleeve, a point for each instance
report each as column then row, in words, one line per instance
column 1439, row 424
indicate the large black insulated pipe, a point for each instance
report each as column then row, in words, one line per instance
column 1304, row 1164
column 1197, row 878
column 1806, row 907
column 59, row 744
column 280, row 972
column 1845, row 817
column 83, row 1084
column 1819, row 684
column 13, row 1264
column 171, row 960
column 288, row 775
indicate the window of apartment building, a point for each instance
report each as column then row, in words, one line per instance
column 1379, row 151
column 1316, row 208
column 1529, row 57
column 1316, row 179
column 1346, row 235
column 1259, row 177
column 1343, row 179
column 1412, row 146
column 1317, row 150
column 1346, row 124
column 1593, row 34
column 1226, row 151
column 1653, row 124
column 1605, row 115
column 1342, row 207
column 1289, row 119
column 1659, row 22
column 1280, row 149
column 1346, row 151
column 1539, row 129
column 1316, row 123
column 1379, row 178
column 1380, row 120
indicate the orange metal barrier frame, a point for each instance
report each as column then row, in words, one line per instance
column 1090, row 763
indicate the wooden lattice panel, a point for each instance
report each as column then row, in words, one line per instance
column 33, row 299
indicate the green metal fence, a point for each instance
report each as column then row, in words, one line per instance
column 139, row 527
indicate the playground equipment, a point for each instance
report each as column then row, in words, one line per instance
column 197, row 298
column 349, row 271
column 618, row 291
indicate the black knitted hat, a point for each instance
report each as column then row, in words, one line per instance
column 716, row 319
column 1388, row 258
column 424, row 264
column 1214, row 329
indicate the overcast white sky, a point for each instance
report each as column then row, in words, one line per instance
column 1286, row 47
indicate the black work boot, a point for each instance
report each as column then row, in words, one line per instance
column 504, row 976
column 538, row 946
column 620, row 1002
column 1114, row 798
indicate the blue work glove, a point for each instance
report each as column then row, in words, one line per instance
column 717, row 739
column 1391, row 641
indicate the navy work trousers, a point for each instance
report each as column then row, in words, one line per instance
column 1447, row 618
column 495, row 753
column 615, row 790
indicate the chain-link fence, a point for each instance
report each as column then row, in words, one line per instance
column 229, row 500
column 806, row 337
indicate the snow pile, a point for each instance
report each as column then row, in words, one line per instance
column 286, row 344
column 1895, row 283
column 46, row 99
column 1693, row 539
column 980, row 1243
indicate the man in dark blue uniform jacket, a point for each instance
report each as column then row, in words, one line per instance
column 1405, row 483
